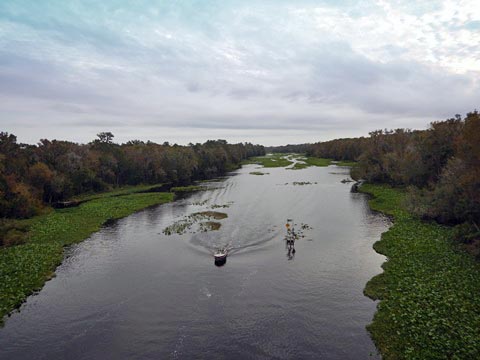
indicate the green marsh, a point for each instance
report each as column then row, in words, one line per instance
column 429, row 290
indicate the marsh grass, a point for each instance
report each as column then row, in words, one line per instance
column 285, row 160
column 429, row 290
column 271, row 160
column 314, row 161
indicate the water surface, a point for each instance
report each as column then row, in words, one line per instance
column 131, row 292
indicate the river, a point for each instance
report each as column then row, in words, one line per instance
column 132, row 292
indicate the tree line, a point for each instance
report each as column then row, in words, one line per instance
column 439, row 166
column 32, row 176
column 290, row 148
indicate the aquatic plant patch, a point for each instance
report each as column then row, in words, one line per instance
column 191, row 222
column 301, row 183
column 210, row 226
column 429, row 290
column 199, row 203
column 211, row 214
column 218, row 206
column 299, row 229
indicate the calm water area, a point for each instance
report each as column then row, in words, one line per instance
column 132, row 292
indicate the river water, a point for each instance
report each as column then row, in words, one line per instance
column 132, row 292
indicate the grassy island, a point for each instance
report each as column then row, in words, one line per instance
column 429, row 290
column 286, row 159
column 24, row 268
column 269, row 161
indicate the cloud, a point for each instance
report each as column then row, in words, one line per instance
column 270, row 71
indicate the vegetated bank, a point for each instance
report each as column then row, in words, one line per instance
column 25, row 268
column 429, row 290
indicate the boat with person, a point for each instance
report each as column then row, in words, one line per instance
column 290, row 239
column 220, row 257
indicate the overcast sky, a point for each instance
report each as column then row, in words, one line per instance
column 270, row 72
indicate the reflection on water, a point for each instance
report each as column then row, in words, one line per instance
column 132, row 292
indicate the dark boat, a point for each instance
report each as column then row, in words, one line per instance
column 220, row 257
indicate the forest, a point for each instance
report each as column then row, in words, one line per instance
column 35, row 176
column 439, row 167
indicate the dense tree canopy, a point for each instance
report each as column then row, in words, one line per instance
column 297, row 148
column 440, row 166
column 54, row 170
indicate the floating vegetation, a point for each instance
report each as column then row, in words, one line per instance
column 305, row 226
column 179, row 227
column 429, row 290
column 185, row 224
column 211, row 214
column 297, row 183
column 227, row 205
column 258, row 173
column 209, row 226
column 199, row 203
column 299, row 230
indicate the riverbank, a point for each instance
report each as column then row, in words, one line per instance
column 429, row 290
column 24, row 268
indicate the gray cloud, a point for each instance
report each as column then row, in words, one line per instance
column 272, row 71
